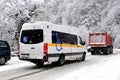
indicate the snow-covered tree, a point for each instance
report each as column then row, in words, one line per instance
column 87, row 15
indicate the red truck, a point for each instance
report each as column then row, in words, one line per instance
column 100, row 43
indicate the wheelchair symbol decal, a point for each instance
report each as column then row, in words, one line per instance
column 25, row 39
column 58, row 43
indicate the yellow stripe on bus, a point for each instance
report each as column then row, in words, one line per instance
column 66, row 45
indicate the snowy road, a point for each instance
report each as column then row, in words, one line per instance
column 97, row 67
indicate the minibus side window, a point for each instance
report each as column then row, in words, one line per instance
column 80, row 41
column 64, row 38
column 73, row 39
column 53, row 37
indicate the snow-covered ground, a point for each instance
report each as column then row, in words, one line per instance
column 104, row 70
column 14, row 63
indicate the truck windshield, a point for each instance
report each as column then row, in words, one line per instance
column 32, row 36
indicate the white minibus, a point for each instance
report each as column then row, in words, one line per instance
column 42, row 41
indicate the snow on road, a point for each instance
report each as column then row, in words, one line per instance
column 14, row 63
column 104, row 70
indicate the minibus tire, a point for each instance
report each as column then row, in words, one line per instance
column 39, row 64
column 61, row 60
column 83, row 56
column 2, row 61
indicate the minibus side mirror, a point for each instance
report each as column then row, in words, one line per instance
column 83, row 42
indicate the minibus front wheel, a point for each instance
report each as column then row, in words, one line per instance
column 83, row 56
column 39, row 63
